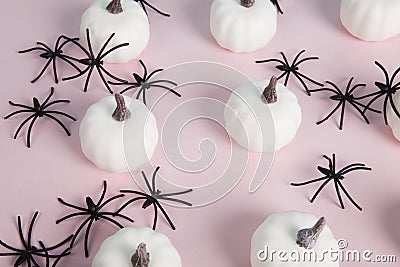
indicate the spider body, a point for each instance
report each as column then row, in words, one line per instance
column 330, row 174
column 143, row 83
column 52, row 55
column 39, row 111
column 93, row 213
column 153, row 199
column 343, row 98
column 93, row 61
column 292, row 68
column 144, row 3
column 29, row 253
column 386, row 91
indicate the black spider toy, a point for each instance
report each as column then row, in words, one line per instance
column 337, row 177
column 93, row 212
column 343, row 98
column 52, row 56
column 144, row 83
column 39, row 111
column 287, row 68
column 94, row 61
column 387, row 90
column 154, row 197
column 29, row 253
column 144, row 3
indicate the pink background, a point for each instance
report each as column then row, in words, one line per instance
column 32, row 179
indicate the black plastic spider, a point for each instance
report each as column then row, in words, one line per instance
column 52, row 56
column 154, row 197
column 387, row 90
column 144, row 83
column 287, row 68
column 343, row 98
column 337, row 177
column 144, row 3
column 93, row 213
column 39, row 111
column 28, row 253
column 276, row 3
column 93, row 61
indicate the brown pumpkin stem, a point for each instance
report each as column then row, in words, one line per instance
column 307, row 238
column 121, row 112
column 141, row 258
column 269, row 94
column 247, row 3
column 115, row 7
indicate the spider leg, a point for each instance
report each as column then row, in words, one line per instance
column 369, row 95
column 59, row 122
column 342, row 115
column 165, row 215
column 376, row 94
column 104, row 80
column 348, row 196
column 22, row 125
column 72, row 215
column 71, row 205
column 35, row 263
column 271, row 60
column 151, row 190
column 46, row 253
column 295, row 59
column 45, row 46
column 385, row 104
column 144, row 96
column 305, row 59
column 114, row 214
column 28, row 137
column 144, row 70
column 88, row 78
column 177, row 193
column 283, row 74
column 355, row 87
column 42, row 71
column 128, row 203
column 154, row 72
column 355, row 168
column 330, row 114
column 320, row 189
column 55, row 70
column 9, row 254
column 359, row 110
column 338, row 194
column 67, row 60
column 32, row 49
column 87, row 238
column 365, row 107
column 48, row 97
column 59, row 244
column 9, row 247
column 66, row 252
column 287, row 78
column 55, row 102
column 155, row 9
column 103, row 194
column 176, row 200
column 20, row 233
column 110, row 200
column 112, row 221
column 21, row 106
column 78, row 75
column 113, row 49
column 384, row 71
column 350, row 166
column 111, row 75
column 302, row 82
column 16, row 112
column 60, row 113
column 286, row 63
column 79, row 230
column 309, row 182
column 139, row 93
column 166, row 88
column 393, row 106
column 338, row 91
column 163, row 81
column 322, row 89
column 155, row 217
column 153, row 179
column 308, row 78
column 29, row 243
column 128, row 88
column 144, row 8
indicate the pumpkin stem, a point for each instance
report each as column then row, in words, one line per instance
column 247, row 3
column 141, row 258
column 269, row 94
column 307, row 238
column 121, row 112
column 115, row 7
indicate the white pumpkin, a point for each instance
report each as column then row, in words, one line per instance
column 279, row 232
column 131, row 26
column 106, row 141
column 118, row 249
column 371, row 20
column 393, row 119
column 259, row 126
column 240, row 28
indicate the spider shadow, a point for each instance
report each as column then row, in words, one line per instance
column 390, row 222
column 237, row 246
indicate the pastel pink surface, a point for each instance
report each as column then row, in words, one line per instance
column 32, row 179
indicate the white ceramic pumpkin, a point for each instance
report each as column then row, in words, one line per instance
column 393, row 119
column 240, row 28
column 279, row 232
column 118, row 249
column 260, row 126
column 126, row 19
column 106, row 141
column 371, row 20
